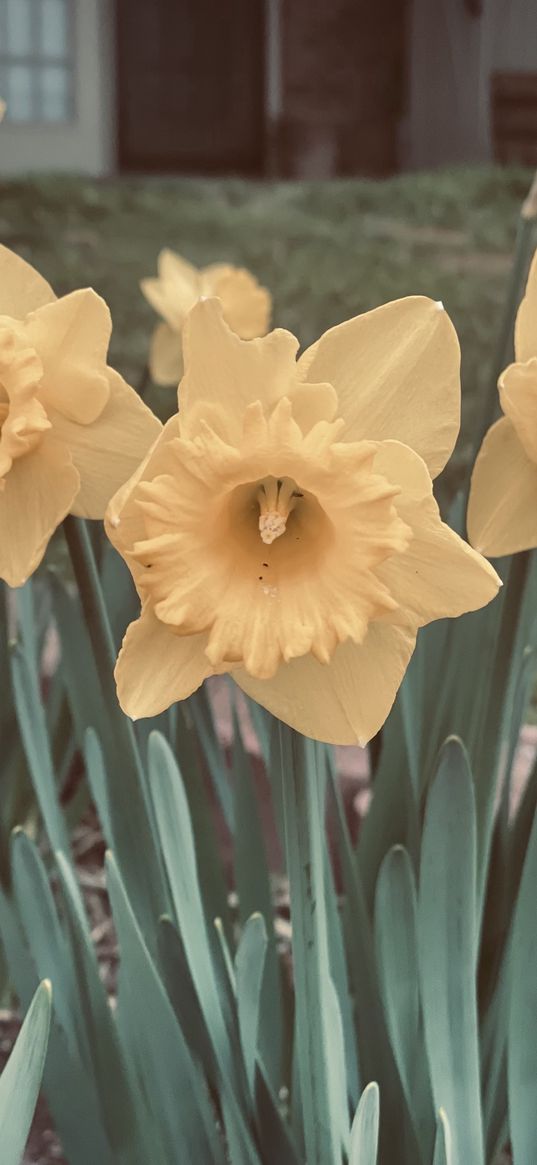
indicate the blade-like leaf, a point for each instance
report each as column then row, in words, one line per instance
column 522, row 1042
column 173, row 1084
column 443, row 1154
column 447, row 930
column 365, row 1128
column 249, row 967
column 21, row 1078
column 396, row 940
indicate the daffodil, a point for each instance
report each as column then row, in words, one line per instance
column 71, row 430
column 502, row 509
column 283, row 528
column 246, row 306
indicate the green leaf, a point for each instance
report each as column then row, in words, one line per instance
column 365, row 1128
column 522, row 1042
column 120, row 1116
column 33, row 729
column 21, row 1078
column 320, row 1056
column 447, row 930
column 396, row 941
column 176, row 1092
column 397, row 1134
column 177, row 842
column 252, row 880
column 249, row 968
column 443, row 1154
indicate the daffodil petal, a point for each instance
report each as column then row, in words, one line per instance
column 518, row 398
column 71, row 336
column 246, row 305
column 396, row 373
column 107, row 452
column 124, row 519
column 526, row 320
column 438, row 576
column 312, row 403
column 220, row 367
column 166, row 356
column 502, row 510
column 345, row 701
column 175, row 290
column 155, row 668
column 38, row 492
column 173, row 266
column 22, row 289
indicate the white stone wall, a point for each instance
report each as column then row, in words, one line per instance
column 87, row 143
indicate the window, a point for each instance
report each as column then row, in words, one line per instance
column 36, row 73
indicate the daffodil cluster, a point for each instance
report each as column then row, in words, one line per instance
column 282, row 525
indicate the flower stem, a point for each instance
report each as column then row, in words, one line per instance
column 92, row 598
column 487, row 761
column 132, row 830
column 303, row 818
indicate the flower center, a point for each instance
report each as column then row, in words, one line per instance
column 276, row 498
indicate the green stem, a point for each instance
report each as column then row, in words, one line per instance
column 91, row 596
column 303, row 818
column 487, row 760
column 129, row 807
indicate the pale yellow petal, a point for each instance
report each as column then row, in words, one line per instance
column 155, row 668
column 345, row 701
column 438, row 575
column 396, row 373
column 71, row 336
column 526, row 320
column 313, row 403
column 210, row 276
column 221, row 368
column 22, row 289
column 38, row 492
column 166, row 356
column 109, row 451
column 173, row 266
column 518, row 396
column 124, row 520
column 502, row 510
column 247, row 306
column 175, row 290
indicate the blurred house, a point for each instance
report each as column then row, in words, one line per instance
column 293, row 87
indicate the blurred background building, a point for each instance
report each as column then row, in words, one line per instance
column 310, row 88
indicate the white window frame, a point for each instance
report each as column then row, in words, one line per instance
column 37, row 61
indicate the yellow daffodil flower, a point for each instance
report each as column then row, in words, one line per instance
column 502, row 509
column 71, row 430
column 246, row 306
column 283, row 528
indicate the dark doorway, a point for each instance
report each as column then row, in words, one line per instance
column 191, row 85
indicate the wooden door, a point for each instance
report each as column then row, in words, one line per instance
column 191, row 85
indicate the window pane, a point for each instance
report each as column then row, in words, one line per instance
column 18, row 94
column 54, row 93
column 54, row 28
column 19, row 27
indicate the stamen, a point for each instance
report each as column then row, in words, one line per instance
column 276, row 498
column 271, row 526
